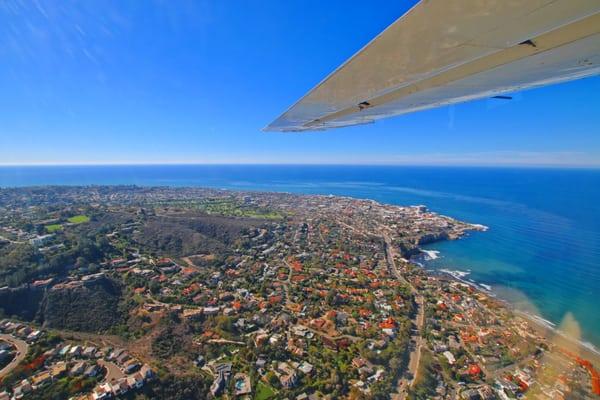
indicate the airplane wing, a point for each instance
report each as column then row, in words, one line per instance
column 448, row 51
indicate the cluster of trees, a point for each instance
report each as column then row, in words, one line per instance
column 21, row 263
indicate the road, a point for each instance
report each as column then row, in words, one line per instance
column 113, row 372
column 22, row 348
column 332, row 338
column 418, row 321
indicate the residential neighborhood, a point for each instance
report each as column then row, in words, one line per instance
column 258, row 296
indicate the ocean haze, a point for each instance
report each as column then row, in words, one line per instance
column 542, row 250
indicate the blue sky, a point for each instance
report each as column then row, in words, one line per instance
column 194, row 82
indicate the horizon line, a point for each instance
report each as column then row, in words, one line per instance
column 424, row 165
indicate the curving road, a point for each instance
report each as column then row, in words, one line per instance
column 22, row 348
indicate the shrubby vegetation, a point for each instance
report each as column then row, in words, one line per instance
column 71, row 308
column 172, row 387
column 173, row 339
column 191, row 234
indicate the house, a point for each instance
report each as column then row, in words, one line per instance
column 49, row 354
column 474, row 370
column 439, row 347
column 210, row 310
column 104, row 352
column 199, row 362
column 120, row 387
column 217, row 385
column 33, row 336
column 131, row 366
column 146, row 372
column 41, row 379
column 260, row 338
column 58, row 369
column 470, row 394
column 223, row 372
column 275, row 338
column 22, row 389
column 24, row 331
column 40, row 240
column 91, row 371
column 114, row 354
column 78, row 369
column 193, row 313
column 453, row 343
column 260, row 362
column 75, row 351
column 102, row 392
column 299, row 330
column 124, row 356
column 486, row 392
column 89, row 352
column 450, row 357
column 288, row 381
column 389, row 332
column 377, row 376
column 305, row 367
column 135, row 381
column 358, row 362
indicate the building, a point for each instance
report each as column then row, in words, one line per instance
column 450, row 357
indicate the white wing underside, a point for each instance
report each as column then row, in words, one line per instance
column 448, row 51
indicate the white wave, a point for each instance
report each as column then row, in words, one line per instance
column 486, row 287
column 589, row 346
column 481, row 227
column 542, row 321
column 430, row 254
column 460, row 275
column 552, row 326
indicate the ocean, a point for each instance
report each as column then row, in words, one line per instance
column 541, row 252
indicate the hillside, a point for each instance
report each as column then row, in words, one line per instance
column 93, row 307
column 183, row 235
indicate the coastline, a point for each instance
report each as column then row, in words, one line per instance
column 543, row 327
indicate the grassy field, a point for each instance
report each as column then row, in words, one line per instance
column 264, row 392
column 79, row 219
column 53, row 228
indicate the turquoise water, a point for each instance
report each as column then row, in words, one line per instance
column 542, row 250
